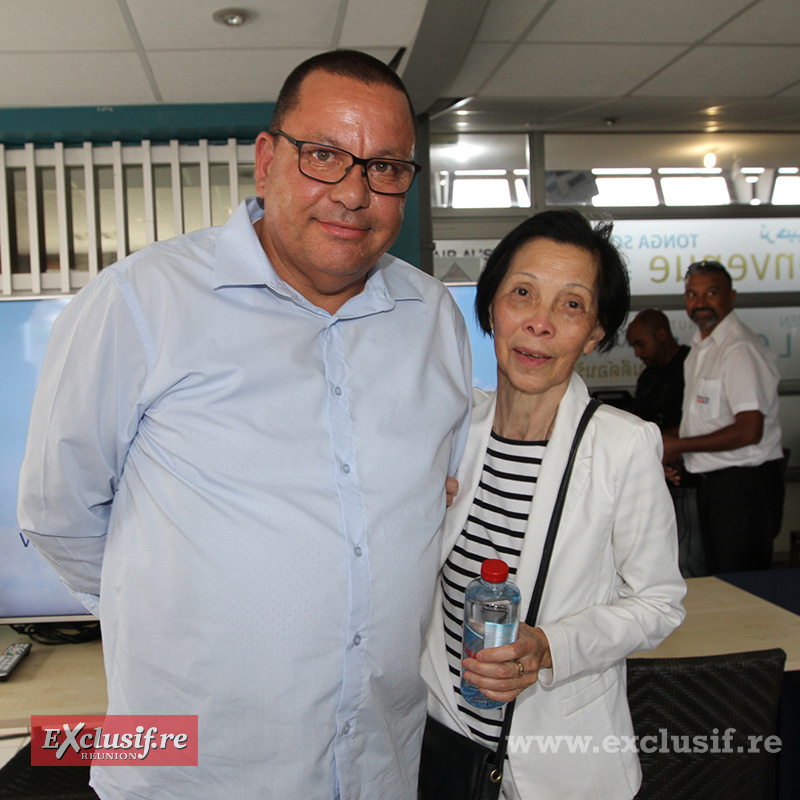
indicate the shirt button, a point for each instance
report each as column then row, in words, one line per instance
column 346, row 469
column 346, row 728
column 357, row 639
column 337, row 390
column 358, row 551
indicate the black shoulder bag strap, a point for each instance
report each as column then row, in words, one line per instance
column 544, row 564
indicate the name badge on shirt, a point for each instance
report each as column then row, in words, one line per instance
column 707, row 399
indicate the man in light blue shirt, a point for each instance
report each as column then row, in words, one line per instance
column 237, row 458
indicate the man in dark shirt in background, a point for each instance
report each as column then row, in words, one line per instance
column 659, row 389
column 659, row 397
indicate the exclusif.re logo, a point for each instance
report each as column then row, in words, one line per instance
column 141, row 740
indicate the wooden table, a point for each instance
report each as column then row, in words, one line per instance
column 70, row 679
column 59, row 679
column 721, row 618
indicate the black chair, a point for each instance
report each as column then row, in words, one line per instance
column 688, row 704
column 20, row 781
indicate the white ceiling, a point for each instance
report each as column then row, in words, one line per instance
column 567, row 65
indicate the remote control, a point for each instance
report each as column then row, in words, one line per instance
column 11, row 656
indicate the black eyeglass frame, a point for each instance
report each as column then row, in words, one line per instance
column 362, row 162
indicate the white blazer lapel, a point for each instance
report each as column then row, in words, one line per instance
column 555, row 460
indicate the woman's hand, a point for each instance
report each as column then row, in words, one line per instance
column 496, row 670
column 450, row 489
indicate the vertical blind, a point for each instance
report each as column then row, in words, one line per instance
column 67, row 212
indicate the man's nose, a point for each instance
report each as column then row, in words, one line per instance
column 353, row 190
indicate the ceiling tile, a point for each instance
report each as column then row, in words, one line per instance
column 381, row 23
column 625, row 113
column 54, row 25
column 506, row 20
column 756, row 113
column 187, row 24
column 728, row 70
column 73, row 79
column 768, row 22
column 790, row 91
column 550, row 70
column 615, row 21
column 478, row 65
column 228, row 76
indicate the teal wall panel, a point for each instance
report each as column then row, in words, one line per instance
column 159, row 123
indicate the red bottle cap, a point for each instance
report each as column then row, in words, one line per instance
column 493, row 570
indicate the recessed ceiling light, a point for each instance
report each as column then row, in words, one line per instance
column 232, row 17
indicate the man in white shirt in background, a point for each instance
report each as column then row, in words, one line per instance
column 237, row 459
column 730, row 435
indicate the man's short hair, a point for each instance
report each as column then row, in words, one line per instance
column 347, row 63
column 652, row 319
column 709, row 267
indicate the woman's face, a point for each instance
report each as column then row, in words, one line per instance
column 544, row 316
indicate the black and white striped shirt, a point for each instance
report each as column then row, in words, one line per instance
column 495, row 528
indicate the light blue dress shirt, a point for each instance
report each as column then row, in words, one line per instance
column 248, row 491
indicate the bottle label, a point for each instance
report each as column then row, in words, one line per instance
column 498, row 634
column 472, row 642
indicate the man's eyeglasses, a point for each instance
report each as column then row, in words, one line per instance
column 331, row 164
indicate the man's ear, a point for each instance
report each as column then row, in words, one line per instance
column 265, row 149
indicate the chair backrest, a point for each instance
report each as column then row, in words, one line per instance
column 702, row 724
column 20, row 781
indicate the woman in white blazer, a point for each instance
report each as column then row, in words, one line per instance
column 555, row 288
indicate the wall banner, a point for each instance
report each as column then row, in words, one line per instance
column 762, row 255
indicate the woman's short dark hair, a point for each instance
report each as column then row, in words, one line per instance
column 566, row 227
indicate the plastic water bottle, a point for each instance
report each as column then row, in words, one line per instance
column 491, row 618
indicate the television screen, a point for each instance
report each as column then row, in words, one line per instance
column 484, row 363
column 30, row 590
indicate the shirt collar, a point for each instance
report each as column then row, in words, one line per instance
column 721, row 331
column 240, row 260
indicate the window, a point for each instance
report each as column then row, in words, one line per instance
column 621, row 191
column 787, row 190
column 678, row 169
column 480, row 171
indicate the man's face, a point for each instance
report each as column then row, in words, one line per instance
column 645, row 343
column 708, row 300
column 323, row 238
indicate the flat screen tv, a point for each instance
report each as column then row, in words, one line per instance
column 484, row 362
column 30, row 590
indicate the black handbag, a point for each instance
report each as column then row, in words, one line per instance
column 452, row 766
